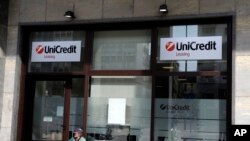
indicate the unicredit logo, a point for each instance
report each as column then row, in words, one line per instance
column 170, row 46
column 177, row 107
column 163, row 106
column 180, row 46
column 191, row 48
column 210, row 45
column 55, row 49
column 39, row 49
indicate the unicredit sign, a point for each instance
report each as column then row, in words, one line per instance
column 59, row 49
column 56, row 51
column 191, row 48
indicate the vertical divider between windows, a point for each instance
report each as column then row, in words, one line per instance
column 87, row 69
column 230, row 55
column 66, row 114
column 153, row 68
column 20, row 120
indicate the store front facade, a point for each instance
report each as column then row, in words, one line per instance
column 156, row 80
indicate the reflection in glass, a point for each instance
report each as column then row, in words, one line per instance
column 48, row 110
column 76, row 105
column 135, row 94
column 190, row 108
column 122, row 50
column 198, row 87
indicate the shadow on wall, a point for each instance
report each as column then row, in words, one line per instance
column 4, row 6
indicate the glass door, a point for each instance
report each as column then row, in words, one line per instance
column 57, row 109
column 51, row 111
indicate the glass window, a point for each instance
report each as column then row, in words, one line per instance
column 49, row 105
column 191, row 87
column 53, row 65
column 119, row 107
column 122, row 50
column 190, row 107
column 193, row 65
column 76, row 105
column 48, row 110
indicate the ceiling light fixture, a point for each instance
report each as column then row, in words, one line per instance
column 69, row 14
column 168, row 67
column 163, row 8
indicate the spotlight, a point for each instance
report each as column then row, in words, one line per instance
column 69, row 14
column 163, row 8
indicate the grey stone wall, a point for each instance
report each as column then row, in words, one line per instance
column 242, row 64
column 21, row 11
column 53, row 10
column 3, row 37
column 3, row 43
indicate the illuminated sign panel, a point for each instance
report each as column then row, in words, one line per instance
column 56, row 51
column 191, row 48
column 117, row 111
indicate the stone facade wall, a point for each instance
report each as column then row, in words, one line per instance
column 3, row 44
column 21, row 11
column 242, row 67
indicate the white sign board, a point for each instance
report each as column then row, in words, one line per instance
column 191, row 48
column 56, row 51
column 59, row 111
column 47, row 119
column 117, row 111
